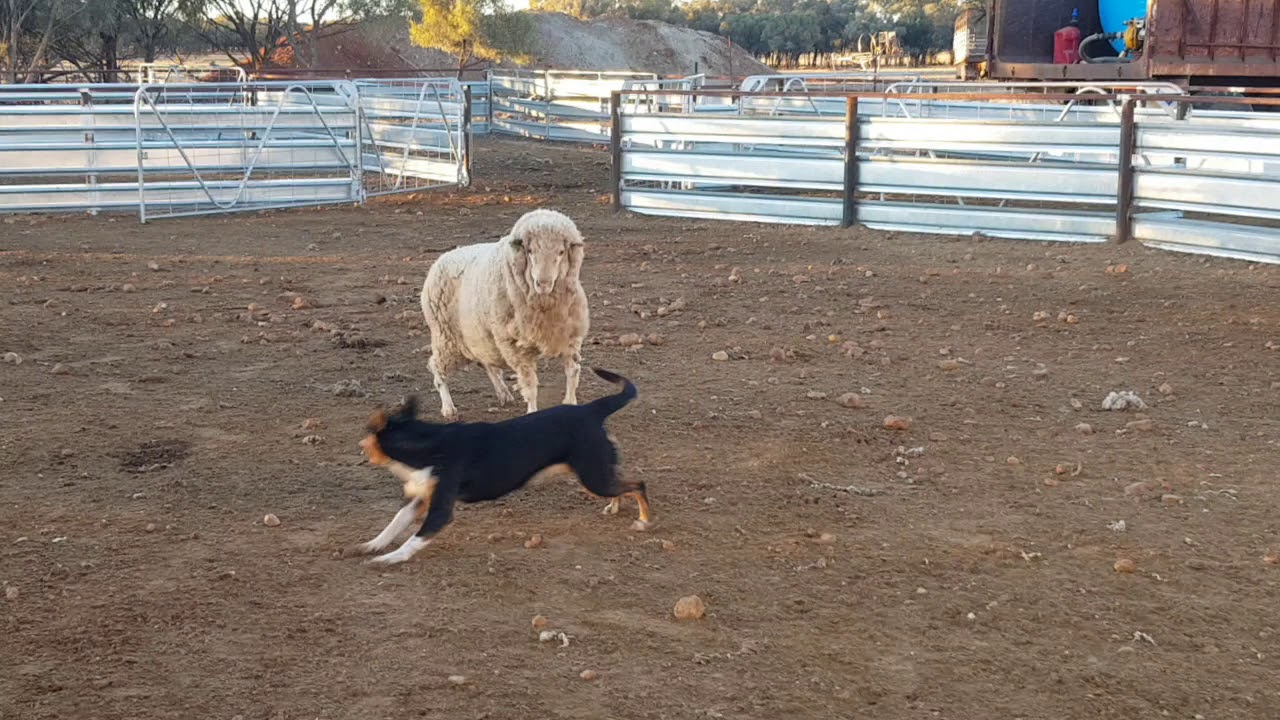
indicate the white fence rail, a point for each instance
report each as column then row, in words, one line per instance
column 179, row 149
column 1201, row 181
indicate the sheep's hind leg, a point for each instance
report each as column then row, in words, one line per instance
column 499, row 385
column 447, row 408
column 572, row 371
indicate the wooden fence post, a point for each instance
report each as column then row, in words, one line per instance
column 1124, row 178
column 849, row 212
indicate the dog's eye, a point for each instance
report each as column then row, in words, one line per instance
column 561, row 251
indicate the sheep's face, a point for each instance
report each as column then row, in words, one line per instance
column 545, row 257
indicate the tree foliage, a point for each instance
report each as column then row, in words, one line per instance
column 473, row 28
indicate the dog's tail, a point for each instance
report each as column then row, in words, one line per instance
column 611, row 404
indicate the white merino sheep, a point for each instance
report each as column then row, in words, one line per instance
column 508, row 304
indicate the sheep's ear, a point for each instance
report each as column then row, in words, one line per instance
column 516, row 241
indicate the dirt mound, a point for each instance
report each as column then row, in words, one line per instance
column 563, row 43
column 643, row 46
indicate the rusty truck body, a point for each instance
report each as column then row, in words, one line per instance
column 1189, row 42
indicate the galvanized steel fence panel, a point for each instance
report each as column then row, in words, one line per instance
column 555, row 105
column 248, row 161
column 1215, row 188
column 179, row 149
column 1199, row 181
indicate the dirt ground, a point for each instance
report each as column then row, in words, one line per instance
column 962, row 569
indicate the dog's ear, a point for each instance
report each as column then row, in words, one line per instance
column 408, row 408
column 377, row 422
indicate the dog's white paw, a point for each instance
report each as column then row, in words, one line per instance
column 612, row 507
column 402, row 553
column 368, row 548
column 642, row 526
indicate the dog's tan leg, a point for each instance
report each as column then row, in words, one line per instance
column 646, row 520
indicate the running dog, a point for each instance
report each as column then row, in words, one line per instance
column 441, row 464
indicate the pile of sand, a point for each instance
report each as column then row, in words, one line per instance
column 563, row 44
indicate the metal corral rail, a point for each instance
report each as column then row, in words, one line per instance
column 179, row 149
column 555, row 104
column 1042, row 177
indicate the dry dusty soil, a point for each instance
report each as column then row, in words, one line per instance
column 964, row 567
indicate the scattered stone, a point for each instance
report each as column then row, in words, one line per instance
column 533, row 542
column 13, row 358
column 825, row 538
column 153, row 266
column 656, row 339
column 949, row 365
column 1271, row 558
column 270, row 520
column 1084, row 428
column 1138, row 489
column 1123, row 400
column 539, row 622
column 1125, row 565
column 313, row 440
column 59, row 369
column 300, row 303
column 128, row 287
column 1040, row 315
column 348, row 388
column 690, row 607
column 11, row 592
column 589, row 675
column 1012, row 460
column 898, row 422
column 850, row 400
column 816, row 395
column 311, row 424
column 1142, row 425
column 1117, row 526
column 1165, row 389
column 1171, row 499
column 630, row 339
column 720, row 355
column 458, row 679
column 151, row 527
column 668, row 545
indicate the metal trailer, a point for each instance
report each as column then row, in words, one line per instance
column 1189, row 42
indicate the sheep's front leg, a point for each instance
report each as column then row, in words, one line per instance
column 527, row 379
column 447, row 408
column 572, row 371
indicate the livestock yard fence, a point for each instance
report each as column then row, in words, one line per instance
column 1037, row 160
column 1147, row 163
column 170, row 149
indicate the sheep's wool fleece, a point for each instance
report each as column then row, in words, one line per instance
column 475, row 302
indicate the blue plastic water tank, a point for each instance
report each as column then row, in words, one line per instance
column 1114, row 14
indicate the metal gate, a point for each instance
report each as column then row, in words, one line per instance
column 415, row 134
column 224, row 147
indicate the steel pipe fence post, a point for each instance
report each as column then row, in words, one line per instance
column 615, row 147
column 1124, row 178
column 849, row 211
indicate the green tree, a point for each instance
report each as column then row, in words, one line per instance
column 473, row 28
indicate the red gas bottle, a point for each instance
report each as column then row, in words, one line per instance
column 1066, row 42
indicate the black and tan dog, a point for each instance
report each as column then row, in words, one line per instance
column 441, row 464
